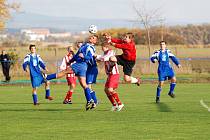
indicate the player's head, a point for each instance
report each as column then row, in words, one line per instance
column 70, row 49
column 163, row 45
column 93, row 39
column 78, row 43
column 32, row 48
column 105, row 47
column 3, row 52
column 128, row 37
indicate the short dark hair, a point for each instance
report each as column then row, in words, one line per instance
column 163, row 42
column 31, row 45
column 131, row 35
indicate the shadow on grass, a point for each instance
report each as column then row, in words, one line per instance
column 40, row 103
column 36, row 109
column 162, row 107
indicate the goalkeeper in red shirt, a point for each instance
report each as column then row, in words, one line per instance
column 128, row 58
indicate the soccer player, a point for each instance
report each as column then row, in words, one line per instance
column 35, row 63
column 112, row 81
column 128, row 58
column 91, row 76
column 70, row 77
column 165, row 70
column 92, row 71
column 82, row 58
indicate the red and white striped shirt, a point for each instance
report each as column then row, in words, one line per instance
column 64, row 65
column 110, row 67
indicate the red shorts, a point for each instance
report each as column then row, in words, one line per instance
column 71, row 80
column 112, row 81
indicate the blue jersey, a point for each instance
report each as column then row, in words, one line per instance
column 92, row 70
column 35, row 63
column 165, row 69
column 88, row 51
column 82, row 64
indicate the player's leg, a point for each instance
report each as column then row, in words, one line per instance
column 7, row 74
column 4, row 72
column 87, row 91
column 132, row 80
column 112, row 84
column 158, row 92
column 114, row 94
column 57, row 75
column 71, row 90
column 111, row 99
column 36, row 82
column 47, row 91
column 172, row 87
column 127, row 69
column 34, row 96
column 93, row 96
column 69, row 93
column 91, row 75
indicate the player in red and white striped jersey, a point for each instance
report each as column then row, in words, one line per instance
column 112, row 81
column 70, row 77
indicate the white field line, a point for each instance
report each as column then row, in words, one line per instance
column 204, row 105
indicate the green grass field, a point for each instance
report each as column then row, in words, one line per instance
column 173, row 119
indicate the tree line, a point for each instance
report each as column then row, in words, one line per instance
column 182, row 35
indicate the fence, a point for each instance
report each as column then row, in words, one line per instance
column 192, row 64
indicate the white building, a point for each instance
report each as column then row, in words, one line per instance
column 35, row 34
column 60, row 35
column 3, row 36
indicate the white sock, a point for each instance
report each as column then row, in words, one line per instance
column 134, row 80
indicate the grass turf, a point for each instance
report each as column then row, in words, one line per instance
column 179, row 118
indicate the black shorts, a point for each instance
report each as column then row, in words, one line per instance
column 127, row 65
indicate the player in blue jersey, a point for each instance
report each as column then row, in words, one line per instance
column 35, row 63
column 88, row 51
column 92, row 73
column 165, row 70
column 82, row 59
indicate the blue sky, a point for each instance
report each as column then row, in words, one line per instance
column 179, row 10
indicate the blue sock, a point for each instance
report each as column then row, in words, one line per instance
column 172, row 86
column 87, row 94
column 47, row 93
column 34, row 98
column 51, row 76
column 158, row 91
column 93, row 95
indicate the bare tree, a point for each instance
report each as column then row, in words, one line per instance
column 148, row 18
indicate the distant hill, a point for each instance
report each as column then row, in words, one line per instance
column 73, row 24
column 76, row 24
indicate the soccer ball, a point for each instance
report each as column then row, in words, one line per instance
column 93, row 29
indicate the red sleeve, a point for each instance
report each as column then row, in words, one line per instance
column 118, row 41
column 122, row 46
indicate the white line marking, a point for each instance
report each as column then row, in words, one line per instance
column 204, row 105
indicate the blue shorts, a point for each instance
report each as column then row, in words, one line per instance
column 91, row 75
column 165, row 74
column 36, row 81
column 79, row 69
